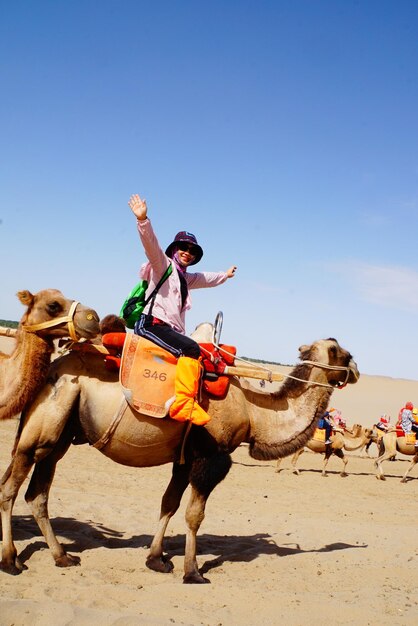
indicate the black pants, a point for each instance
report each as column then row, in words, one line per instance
column 166, row 337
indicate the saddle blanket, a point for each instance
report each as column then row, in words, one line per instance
column 410, row 438
column 147, row 375
column 147, row 372
column 319, row 435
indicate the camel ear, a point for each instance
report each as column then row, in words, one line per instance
column 26, row 297
column 305, row 353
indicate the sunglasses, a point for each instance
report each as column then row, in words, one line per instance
column 188, row 247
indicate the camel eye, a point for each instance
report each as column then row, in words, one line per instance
column 54, row 307
column 333, row 351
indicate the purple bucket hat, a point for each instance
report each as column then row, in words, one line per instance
column 184, row 236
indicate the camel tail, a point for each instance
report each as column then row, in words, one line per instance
column 269, row 452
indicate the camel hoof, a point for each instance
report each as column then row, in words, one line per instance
column 160, row 564
column 381, row 477
column 14, row 569
column 195, row 579
column 67, row 561
column 343, row 475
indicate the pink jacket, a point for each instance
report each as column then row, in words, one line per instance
column 167, row 304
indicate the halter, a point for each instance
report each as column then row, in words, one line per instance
column 32, row 328
column 340, row 368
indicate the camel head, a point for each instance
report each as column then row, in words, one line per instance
column 338, row 365
column 50, row 314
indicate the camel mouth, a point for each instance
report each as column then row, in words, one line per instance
column 351, row 378
column 89, row 326
column 89, row 332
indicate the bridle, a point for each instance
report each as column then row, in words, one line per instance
column 33, row 328
column 216, row 338
column 339, row 368
column 325, row 366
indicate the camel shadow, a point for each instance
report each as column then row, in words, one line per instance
column 79, row 536
column 84, row 536
column 231, row 549
column 332, row 472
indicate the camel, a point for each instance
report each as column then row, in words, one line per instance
column 339, row 442
column 49, row 315
column 80, row 395
column 377, row 435
column 389, row 444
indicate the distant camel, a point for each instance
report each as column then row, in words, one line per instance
column 377, row 436
column 80, row 394
column 339, row 443
column 49, row 315
column 390, row 443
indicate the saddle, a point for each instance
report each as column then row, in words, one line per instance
column 147, row 372
column 319, row 435
column 410, row 438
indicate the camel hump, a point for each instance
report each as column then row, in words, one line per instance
column 147, row 376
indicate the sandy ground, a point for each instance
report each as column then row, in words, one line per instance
column 277, row 548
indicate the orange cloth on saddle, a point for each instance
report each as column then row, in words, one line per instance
column 215, row 360
column 113, row 342
column 319, row 435
column 410, row 438
column 185, row 408
column 147, row 375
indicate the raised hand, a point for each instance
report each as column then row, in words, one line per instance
column 138, row 206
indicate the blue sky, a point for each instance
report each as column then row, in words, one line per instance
column 282, row 133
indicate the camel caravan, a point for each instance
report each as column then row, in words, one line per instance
column 82, row 397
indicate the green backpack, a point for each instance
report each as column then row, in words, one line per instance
column 136, row 302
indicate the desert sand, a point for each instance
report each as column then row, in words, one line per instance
column 277, row 548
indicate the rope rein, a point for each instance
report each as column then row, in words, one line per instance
column 269, row 372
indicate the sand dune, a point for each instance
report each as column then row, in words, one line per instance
column 277, row 548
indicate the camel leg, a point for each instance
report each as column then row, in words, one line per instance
column 411, row 465
column 367, row 446
column 169, row 505
column 378, row 464
column 9, row 488
column 386, row 450
column 327, row 455
column 206, row 473
column 37, row 498
column 341, row 456
column 294, row 461
column 295, row 458
column 42, row 430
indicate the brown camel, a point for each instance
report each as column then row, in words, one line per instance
column 339, row 442
column 49, row 315
column 389, row 444
column 80, row 394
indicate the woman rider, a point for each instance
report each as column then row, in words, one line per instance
column 163, row 319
